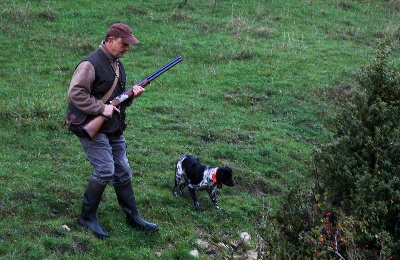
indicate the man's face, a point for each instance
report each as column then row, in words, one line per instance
column 117, row 47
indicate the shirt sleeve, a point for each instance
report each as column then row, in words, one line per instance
column 80, row 88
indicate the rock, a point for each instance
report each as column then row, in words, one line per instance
column 245, row 236
column 194, row 253
column 202, row 244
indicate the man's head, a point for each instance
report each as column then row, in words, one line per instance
column 118, row 39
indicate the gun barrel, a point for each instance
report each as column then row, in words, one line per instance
column 164, row 68
column 127, row 93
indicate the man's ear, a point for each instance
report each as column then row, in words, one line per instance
column 110, row 39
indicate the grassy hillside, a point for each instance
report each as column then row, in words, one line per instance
column 257, row 81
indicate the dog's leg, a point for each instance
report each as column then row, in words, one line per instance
column 183, row 185
column 213, row 196
column 194, row 197
column 177, row 187
column 182, row 188
column 177, row 181
column 178, row 176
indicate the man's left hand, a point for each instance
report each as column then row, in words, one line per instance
column 137, row 90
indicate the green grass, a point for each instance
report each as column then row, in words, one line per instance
column 257, row 82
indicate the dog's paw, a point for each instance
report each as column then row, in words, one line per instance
column 217, row 207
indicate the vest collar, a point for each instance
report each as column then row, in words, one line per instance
column 106, row 52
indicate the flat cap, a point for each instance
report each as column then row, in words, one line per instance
column 124, row 31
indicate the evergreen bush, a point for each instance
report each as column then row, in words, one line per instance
column 353, row 209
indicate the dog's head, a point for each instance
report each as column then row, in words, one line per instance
column 224, row 176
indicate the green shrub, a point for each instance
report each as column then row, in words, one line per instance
column 353, row 209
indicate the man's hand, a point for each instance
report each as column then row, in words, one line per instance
column 109, row 110
column 137, row 91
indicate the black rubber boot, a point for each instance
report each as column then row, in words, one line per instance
column 91, row 200
column 126, row 200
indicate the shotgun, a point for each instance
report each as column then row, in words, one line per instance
column 93, row 126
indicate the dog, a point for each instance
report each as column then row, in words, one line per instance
column 200, row 177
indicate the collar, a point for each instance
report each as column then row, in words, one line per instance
column 106, row 52
column 214, row 176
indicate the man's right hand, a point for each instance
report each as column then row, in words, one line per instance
column 109, row 110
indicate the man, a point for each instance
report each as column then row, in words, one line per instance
column 92, row 80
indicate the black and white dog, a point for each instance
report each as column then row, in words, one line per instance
column 200, row 177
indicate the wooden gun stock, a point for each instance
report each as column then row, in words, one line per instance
column 93, row 126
